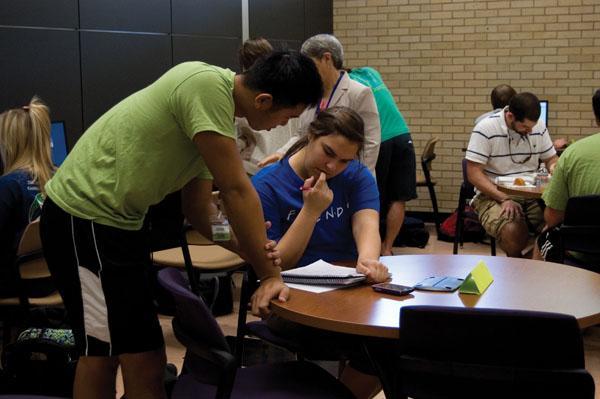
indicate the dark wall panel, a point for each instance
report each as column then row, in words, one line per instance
column 84, row 56
column 277, row 19
column 208, row 17
column 46, row 63
column 318, row 16
column 115, row 65
column 216, row 51
column 285, row 44
column 51, row 14
column 129, row 15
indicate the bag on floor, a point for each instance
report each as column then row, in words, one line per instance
column 412, row 234
column 41, row 361
column 472, row 229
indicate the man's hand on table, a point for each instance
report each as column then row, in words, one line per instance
column 270, row 288
column 375, row 271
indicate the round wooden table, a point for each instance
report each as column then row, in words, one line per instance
column 518, row 284
column 523, row 192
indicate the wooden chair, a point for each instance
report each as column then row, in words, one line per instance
column 424, row 179
column 29, row 267
column 201, row 259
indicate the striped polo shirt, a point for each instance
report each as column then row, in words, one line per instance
column 503, row 151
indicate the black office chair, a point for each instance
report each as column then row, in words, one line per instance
column 211, row 370
column 580, row 231
column 448, row 352
column 467, row 191
column 424, row 179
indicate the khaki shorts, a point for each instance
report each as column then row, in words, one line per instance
column 489, row 212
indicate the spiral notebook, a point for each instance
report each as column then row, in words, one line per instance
column 323, row 273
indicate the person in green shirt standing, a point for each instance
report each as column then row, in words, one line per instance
column 577, row 173
column 396, row 164
column 176, row 134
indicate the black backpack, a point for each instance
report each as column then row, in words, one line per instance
column 41, row 361
column 412, row 234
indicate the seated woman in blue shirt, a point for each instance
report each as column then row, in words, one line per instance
column 25, row 153
column 323, row 204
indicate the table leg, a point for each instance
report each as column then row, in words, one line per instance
column 382, row 354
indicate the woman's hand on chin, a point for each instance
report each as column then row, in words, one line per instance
column 316, row 197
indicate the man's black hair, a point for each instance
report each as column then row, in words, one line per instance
column 501, row 95
column 290, row 77
column 525, row 106
column 596, row 104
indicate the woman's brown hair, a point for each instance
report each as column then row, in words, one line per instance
column 334, row 120
column 253, row 49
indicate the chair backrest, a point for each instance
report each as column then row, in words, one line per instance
column 466, row 184
column 580, row 231
column 30, row 239
column 490, row 353
column 208, row 356
column 583, row 211
column 30, row 270
column 428, row 154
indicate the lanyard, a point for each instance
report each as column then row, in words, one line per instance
column 331, row 95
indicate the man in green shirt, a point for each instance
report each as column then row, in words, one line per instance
column 577, row 173
column 396, row 164
column 175, row 134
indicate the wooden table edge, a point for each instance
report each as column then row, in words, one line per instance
column 588, row 321
column 333, row 325
column 519, row 192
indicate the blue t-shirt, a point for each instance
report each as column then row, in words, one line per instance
column 353, row 190
column 17, row 192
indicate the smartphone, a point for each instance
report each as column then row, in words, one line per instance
column 393, row 289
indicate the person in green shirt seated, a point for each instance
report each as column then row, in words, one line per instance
column 175, row 134
column 396, row 164
column 577, row 173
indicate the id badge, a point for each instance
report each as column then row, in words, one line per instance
column 221, row 231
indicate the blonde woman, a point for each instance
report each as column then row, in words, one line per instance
column 25, row 152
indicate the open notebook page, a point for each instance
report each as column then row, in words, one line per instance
column 322, row 269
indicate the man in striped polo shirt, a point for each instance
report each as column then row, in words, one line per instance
column 509, row 143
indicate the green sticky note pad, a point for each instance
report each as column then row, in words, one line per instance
column 478, row 280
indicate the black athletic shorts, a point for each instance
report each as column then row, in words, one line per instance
column 396, row 171
column 105, row 278
column 548, row 244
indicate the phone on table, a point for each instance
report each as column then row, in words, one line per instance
column 393, row 289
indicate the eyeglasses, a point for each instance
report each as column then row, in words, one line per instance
column 527, row 158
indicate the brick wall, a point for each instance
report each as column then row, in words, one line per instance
column 441, row 58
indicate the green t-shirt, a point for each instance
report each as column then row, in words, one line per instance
column 391, row 120
column 577, row 173
column 141, row 149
